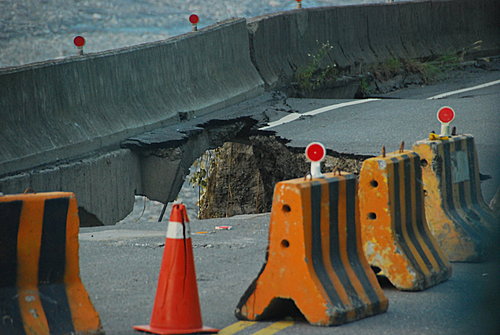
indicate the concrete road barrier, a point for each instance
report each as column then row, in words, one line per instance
column 59, row 113
column 60, row 109
column 314, row 261
column 456, row 212
column 41, row 292
column 395, row 235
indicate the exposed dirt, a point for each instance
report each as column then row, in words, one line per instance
column 242, row 176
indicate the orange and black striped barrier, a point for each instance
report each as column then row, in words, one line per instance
column 314, row 261
column 40, row 287
column 455, row 210
column 395, row 235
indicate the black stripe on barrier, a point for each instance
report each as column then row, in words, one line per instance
column 397, row 219
column 317, row 252
column 10, row 312
column 251, row 290
column 11, row 321
column 52, row 264
column 468, row 209
column 475, row 188
column 352, row 243
column 407, row 177
column 55, row 304
column 419, row 203
column 53, row 247
column 335, row 260
column 10, row 217
column 460, row 223
column 472, row 171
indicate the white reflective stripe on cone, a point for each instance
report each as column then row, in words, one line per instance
column 175, row 230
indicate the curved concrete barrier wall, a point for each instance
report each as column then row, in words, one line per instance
column 104, row 183
column 367, row 34
column 59, row 109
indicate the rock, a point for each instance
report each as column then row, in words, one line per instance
column 413, row 79
column 389, row 85
column 344, row 87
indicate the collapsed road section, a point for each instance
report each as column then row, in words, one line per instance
column 63, row 121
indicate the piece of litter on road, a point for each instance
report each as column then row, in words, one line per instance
column 224, row 227
column 202, row 232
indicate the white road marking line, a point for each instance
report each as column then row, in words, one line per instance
column 289, row 118
column 294, row 116
column 447, row 94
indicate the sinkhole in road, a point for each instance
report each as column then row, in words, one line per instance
column 235, row 175
column 239, row 178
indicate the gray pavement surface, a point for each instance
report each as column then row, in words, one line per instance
column 120, row 266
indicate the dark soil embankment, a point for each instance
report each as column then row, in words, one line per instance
column 242, row 176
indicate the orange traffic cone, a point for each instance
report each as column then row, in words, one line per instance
column 177, row 308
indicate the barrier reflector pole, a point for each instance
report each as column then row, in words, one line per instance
column 40, row 287
column 314, row 263
column 395, row 235
column 455, row 209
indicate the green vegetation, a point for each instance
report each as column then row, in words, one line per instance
column 428, row 70
column 202, row 167
column 364, row 86
column 320, row 70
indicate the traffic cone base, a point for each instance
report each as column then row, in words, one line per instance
column 165, row 331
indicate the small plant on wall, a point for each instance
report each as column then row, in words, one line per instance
column 320, row 70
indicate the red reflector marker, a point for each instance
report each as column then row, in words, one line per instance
column 194, row 19
column 315, row 153
column 445, row 114
column 79, row 41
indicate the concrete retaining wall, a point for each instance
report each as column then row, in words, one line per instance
column 104, row 184
column 60, row 109
column 367, row 34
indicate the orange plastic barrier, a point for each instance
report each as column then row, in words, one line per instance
column 177, row 308
column 314, row 261
column 455, row 210
column 40, row 287
column 395, row 235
